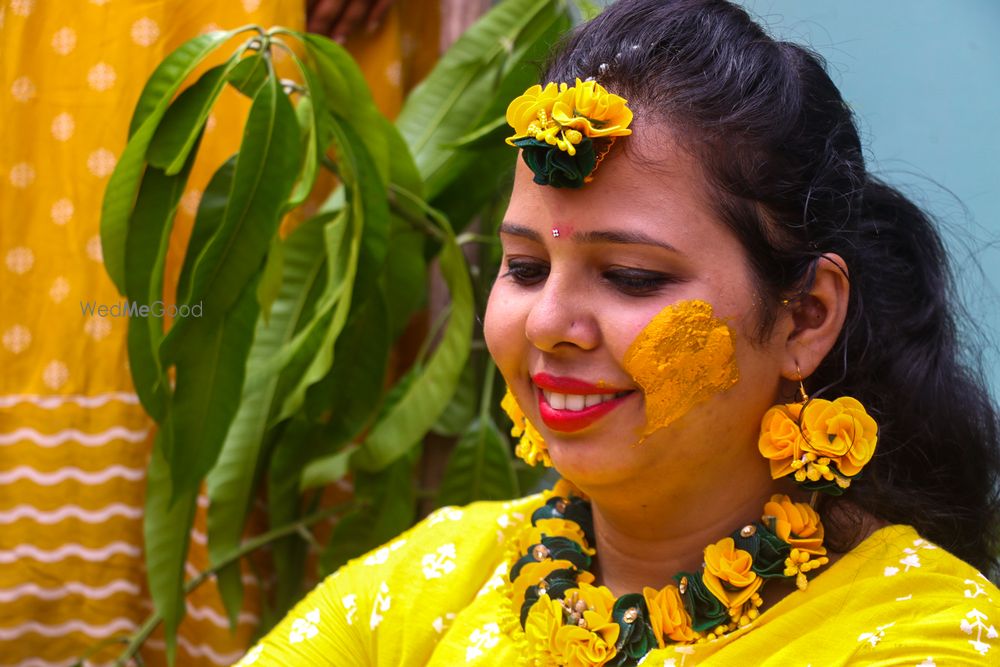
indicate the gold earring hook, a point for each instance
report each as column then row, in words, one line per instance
column 802, row 387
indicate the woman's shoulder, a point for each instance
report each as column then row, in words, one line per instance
column 894, row 598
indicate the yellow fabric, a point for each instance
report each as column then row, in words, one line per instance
column 74, row 441
column 436, row 596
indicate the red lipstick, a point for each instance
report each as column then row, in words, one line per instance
column 568, row 421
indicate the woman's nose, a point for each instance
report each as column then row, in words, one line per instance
column 561, row 317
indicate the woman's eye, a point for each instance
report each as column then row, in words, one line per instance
column 525, row 272
column 637, row 282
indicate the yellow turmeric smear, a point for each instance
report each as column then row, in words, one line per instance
column 682, row 357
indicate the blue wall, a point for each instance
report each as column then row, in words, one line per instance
column 923, row 77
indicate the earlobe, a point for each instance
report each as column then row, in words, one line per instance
column 818, row 316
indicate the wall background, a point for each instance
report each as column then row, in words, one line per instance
column 924, row 80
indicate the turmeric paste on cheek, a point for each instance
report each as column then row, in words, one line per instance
column 683, row 356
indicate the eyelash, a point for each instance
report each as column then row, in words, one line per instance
column 631, row 282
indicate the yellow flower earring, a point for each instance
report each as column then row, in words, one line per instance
column 531, row 447
column 822, row 444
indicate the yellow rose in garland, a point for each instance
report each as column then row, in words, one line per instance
column 556, row 128
column 667, row 615
column 729, row 574
column 531, row 447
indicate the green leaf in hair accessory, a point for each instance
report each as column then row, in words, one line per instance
column 556, row 168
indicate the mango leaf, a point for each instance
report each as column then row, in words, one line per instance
column 311, row 151
column 211, row 209
column 184, row 120
column 270, row 280
column 232, row 480
column 461, row 409
column 248, row 75
column 348, row 97
column 455, row 97
column 146, row 245
column 166, row 528
column 587, row 9
column 429, row 394
column 370, row 220
column 120, row 193
column 265, row 172
column 313, row 345
column 404, row 279
column 390, row 498
column 348, row 397
column 210, row 372
column 479, row 467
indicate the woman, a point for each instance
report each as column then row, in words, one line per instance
column 705, row 309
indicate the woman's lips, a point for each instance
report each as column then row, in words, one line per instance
column 568, row 404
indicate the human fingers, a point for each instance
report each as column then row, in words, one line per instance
column 323, row 15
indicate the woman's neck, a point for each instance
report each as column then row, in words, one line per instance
column 645, row 541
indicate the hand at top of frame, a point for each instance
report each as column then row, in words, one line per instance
column 337, row 19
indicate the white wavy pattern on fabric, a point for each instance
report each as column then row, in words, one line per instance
column 215, row 618
column 60, row 629
column 38, row 662
column 29, row 551
column 54, row 401
column 67, row 588
column 65, row 512
column 69, row 473
column 198, row 651
column 72, row 435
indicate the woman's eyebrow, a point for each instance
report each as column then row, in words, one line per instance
column 623, row 236
column 520, row 230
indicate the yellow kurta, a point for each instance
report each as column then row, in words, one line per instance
column 437, row 596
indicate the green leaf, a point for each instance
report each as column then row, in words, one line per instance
column 248, row 75
column 308, row 356
column 348, row 97
column 211, row 209
column 429, row 394
column 148, row 240
column 265, row 172
column 231, row 481
column 461, row 93
column 311, row 149
column 391, row 505
column 120, row 193
column 166, row 527
column 270, row 280
column 404, row 280
column 479, row 467
column 461, row 409
column 348, row 397
column 184, row 120
column 210, row 371
column 327, row 469
column 485, row 136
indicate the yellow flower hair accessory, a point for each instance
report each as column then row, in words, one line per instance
column 565, row 131
column 822, row 444
column 532, row 447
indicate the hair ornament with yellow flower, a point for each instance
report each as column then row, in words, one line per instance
column 567, row 620
column 565, row 131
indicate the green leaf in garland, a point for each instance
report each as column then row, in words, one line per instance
column 706, row 611
column 767, row 550
column 635, row 638
column 554, row 548
column 555, row 167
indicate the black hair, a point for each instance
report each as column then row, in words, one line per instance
column 783, row 158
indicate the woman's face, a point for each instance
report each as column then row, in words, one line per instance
column 583, row 274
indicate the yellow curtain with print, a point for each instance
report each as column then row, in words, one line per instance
column 74, row 441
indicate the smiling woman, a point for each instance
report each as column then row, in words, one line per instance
column 738, row 348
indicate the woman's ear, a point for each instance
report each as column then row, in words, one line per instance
column 818, row 315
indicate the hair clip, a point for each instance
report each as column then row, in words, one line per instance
column 565, row 131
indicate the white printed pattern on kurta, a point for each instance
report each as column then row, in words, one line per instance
column 439, row 563
column 382, row 604
column 911, row 557
column 482, row 640
column 976, row 623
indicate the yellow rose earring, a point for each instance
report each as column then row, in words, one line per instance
column 822, row 444
column 531, row 447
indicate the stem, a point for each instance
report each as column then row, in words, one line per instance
column 249, row 546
